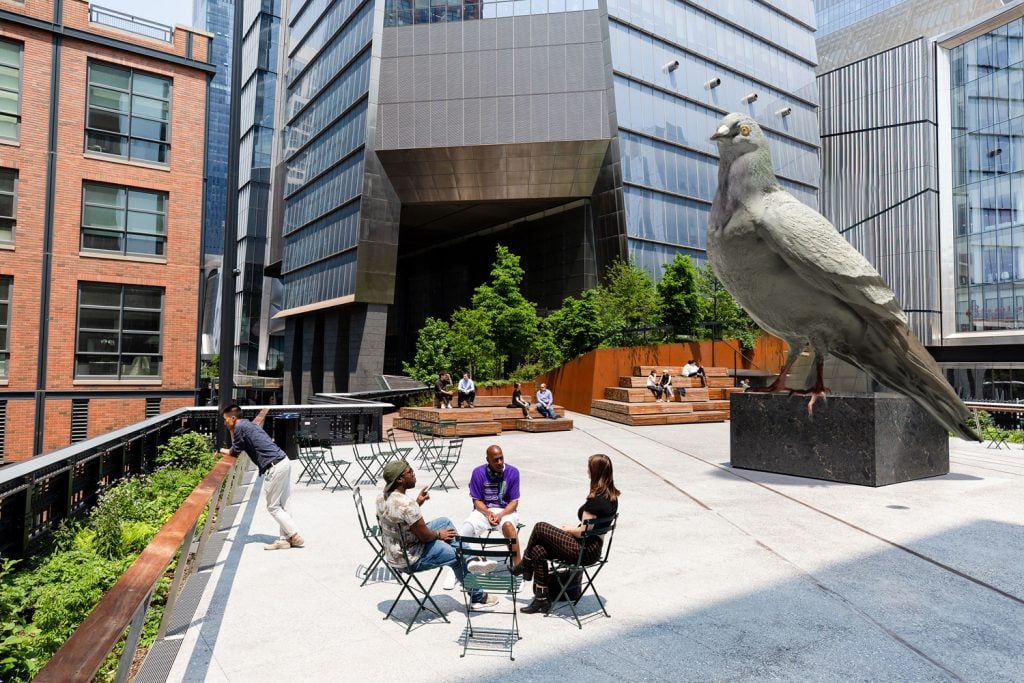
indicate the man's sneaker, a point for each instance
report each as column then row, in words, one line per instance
column 450, row 581
column 296, row 541
column 481, row 566
column 279, row 544
column 487, row 602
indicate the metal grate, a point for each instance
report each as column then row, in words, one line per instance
column 152, row 407
column 3, row 430
column 79, row 419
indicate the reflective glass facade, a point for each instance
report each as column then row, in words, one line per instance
column 833, row 15
column 260, row 31
column 666, row 116
column 328, row 79
column 408, row 12
column 216, row 17
column 987, row 112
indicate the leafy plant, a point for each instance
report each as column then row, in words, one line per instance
column 682, row 306
column 186, row 451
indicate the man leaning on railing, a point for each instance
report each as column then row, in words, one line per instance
column 273, row 463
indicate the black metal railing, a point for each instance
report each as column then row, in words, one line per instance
column 37, row 494
column 130, row 23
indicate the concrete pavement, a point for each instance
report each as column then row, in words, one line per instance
column 715, row 574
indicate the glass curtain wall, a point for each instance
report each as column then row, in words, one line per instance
column 987, row 81
column 721, row 57
column 323, row 141
column 261, row 28
column 833, row 15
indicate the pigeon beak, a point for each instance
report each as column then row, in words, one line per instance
column 722, row 132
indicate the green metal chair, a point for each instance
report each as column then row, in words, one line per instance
column 311, row 456
column 419, row 592
column 402, row 452
column 604, row 526
column 500, row 550
column 444, row 464
column 337, row 470
column 367, row 462
column 371, row 534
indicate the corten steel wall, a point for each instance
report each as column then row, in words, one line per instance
column 121, row 401
column 583, row 379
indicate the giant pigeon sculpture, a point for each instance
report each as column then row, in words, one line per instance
column 800, row 280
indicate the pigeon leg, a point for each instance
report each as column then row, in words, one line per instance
column 819, row 390
column 779, row 385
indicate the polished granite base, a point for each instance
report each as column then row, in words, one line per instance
column 870, row 439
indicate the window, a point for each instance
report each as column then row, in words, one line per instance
column 129, row 114
column 10, row 89
column 5, row 324
column 8, row 203
column 124, row 220
column 119, row 330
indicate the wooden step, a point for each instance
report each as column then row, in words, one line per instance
column 711, row 405
column 644, row 370
column 642, row 420
column 459, row 429
column 493, row 401
column 436, row 414
column 650, row 408
column 644, row 396
column 718, row 393
column 712, row 416
column 540, row 424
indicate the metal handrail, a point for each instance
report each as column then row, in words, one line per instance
column 130, row 23
column 125, row 604
column 36, row 495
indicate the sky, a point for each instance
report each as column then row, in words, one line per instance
column 168, row 12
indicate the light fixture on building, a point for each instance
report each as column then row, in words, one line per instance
column 671, row 66
column 749, row 98
column 785, row 111
column 995, row 151
column 713, row 83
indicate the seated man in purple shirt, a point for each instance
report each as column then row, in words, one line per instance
column 494, row 488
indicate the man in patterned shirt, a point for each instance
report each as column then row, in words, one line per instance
column 426, row 544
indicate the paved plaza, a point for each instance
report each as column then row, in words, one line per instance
column 715, row 574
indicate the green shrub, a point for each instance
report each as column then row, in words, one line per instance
column 186, row 451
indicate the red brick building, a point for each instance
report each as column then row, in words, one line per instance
column 102, row 135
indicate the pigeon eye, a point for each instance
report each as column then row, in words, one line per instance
column 744, row 130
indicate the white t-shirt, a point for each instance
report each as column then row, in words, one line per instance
column 396, row 514
column 689, row 370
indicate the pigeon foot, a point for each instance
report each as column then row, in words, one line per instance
column 815, row 393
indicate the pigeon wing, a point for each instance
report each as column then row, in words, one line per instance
column 817, row 253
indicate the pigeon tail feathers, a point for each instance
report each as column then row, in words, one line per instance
column 901, row 363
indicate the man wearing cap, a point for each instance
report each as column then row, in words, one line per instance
column 273, row 465
column 427, row 544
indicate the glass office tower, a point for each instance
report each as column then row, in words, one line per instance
column 420, row 134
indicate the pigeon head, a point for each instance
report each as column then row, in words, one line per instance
column 739, row 137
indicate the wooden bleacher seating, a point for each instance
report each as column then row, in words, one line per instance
column 631, row 403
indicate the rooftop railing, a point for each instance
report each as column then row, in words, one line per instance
column 37, row 494
column 130, row 23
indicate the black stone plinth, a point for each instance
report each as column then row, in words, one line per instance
column 870, row 439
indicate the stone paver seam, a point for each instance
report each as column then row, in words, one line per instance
column 894, row 544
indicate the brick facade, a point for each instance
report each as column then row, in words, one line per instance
column 177, row 273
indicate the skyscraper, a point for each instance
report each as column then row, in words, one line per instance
column 419, row 135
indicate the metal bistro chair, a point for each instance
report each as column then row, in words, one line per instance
column 311, row 455
column 428, row 445
column 604, row 526
column 367, row 462
column 419, row 592
column 402, row 452
column 383, row 453
column 500, row 550
column 337, row 469
column 444, row 464
column 372, row 535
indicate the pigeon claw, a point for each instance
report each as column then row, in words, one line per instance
column 815, row 393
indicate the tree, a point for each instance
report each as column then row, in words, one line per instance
column 626, row 301
column 682, row 306
column 720, row 308
column 575, row 327
column 511, row 318
column 472, row 348
column 433, row 351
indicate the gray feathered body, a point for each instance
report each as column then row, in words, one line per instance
column 800, row 280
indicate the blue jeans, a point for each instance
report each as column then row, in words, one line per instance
column 440, row 554
column 546, row 411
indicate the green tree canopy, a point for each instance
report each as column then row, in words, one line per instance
column 511, row 318
column 433, row 351
column 627, row 300
column 576, row 327
column 682, row 306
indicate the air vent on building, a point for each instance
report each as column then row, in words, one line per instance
column 79, row 419
column 152, row 407
column 3, row 430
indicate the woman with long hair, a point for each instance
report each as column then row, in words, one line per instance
column 550, row 542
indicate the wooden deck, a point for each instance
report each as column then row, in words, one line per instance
column 481, row 420
column 632, row 403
